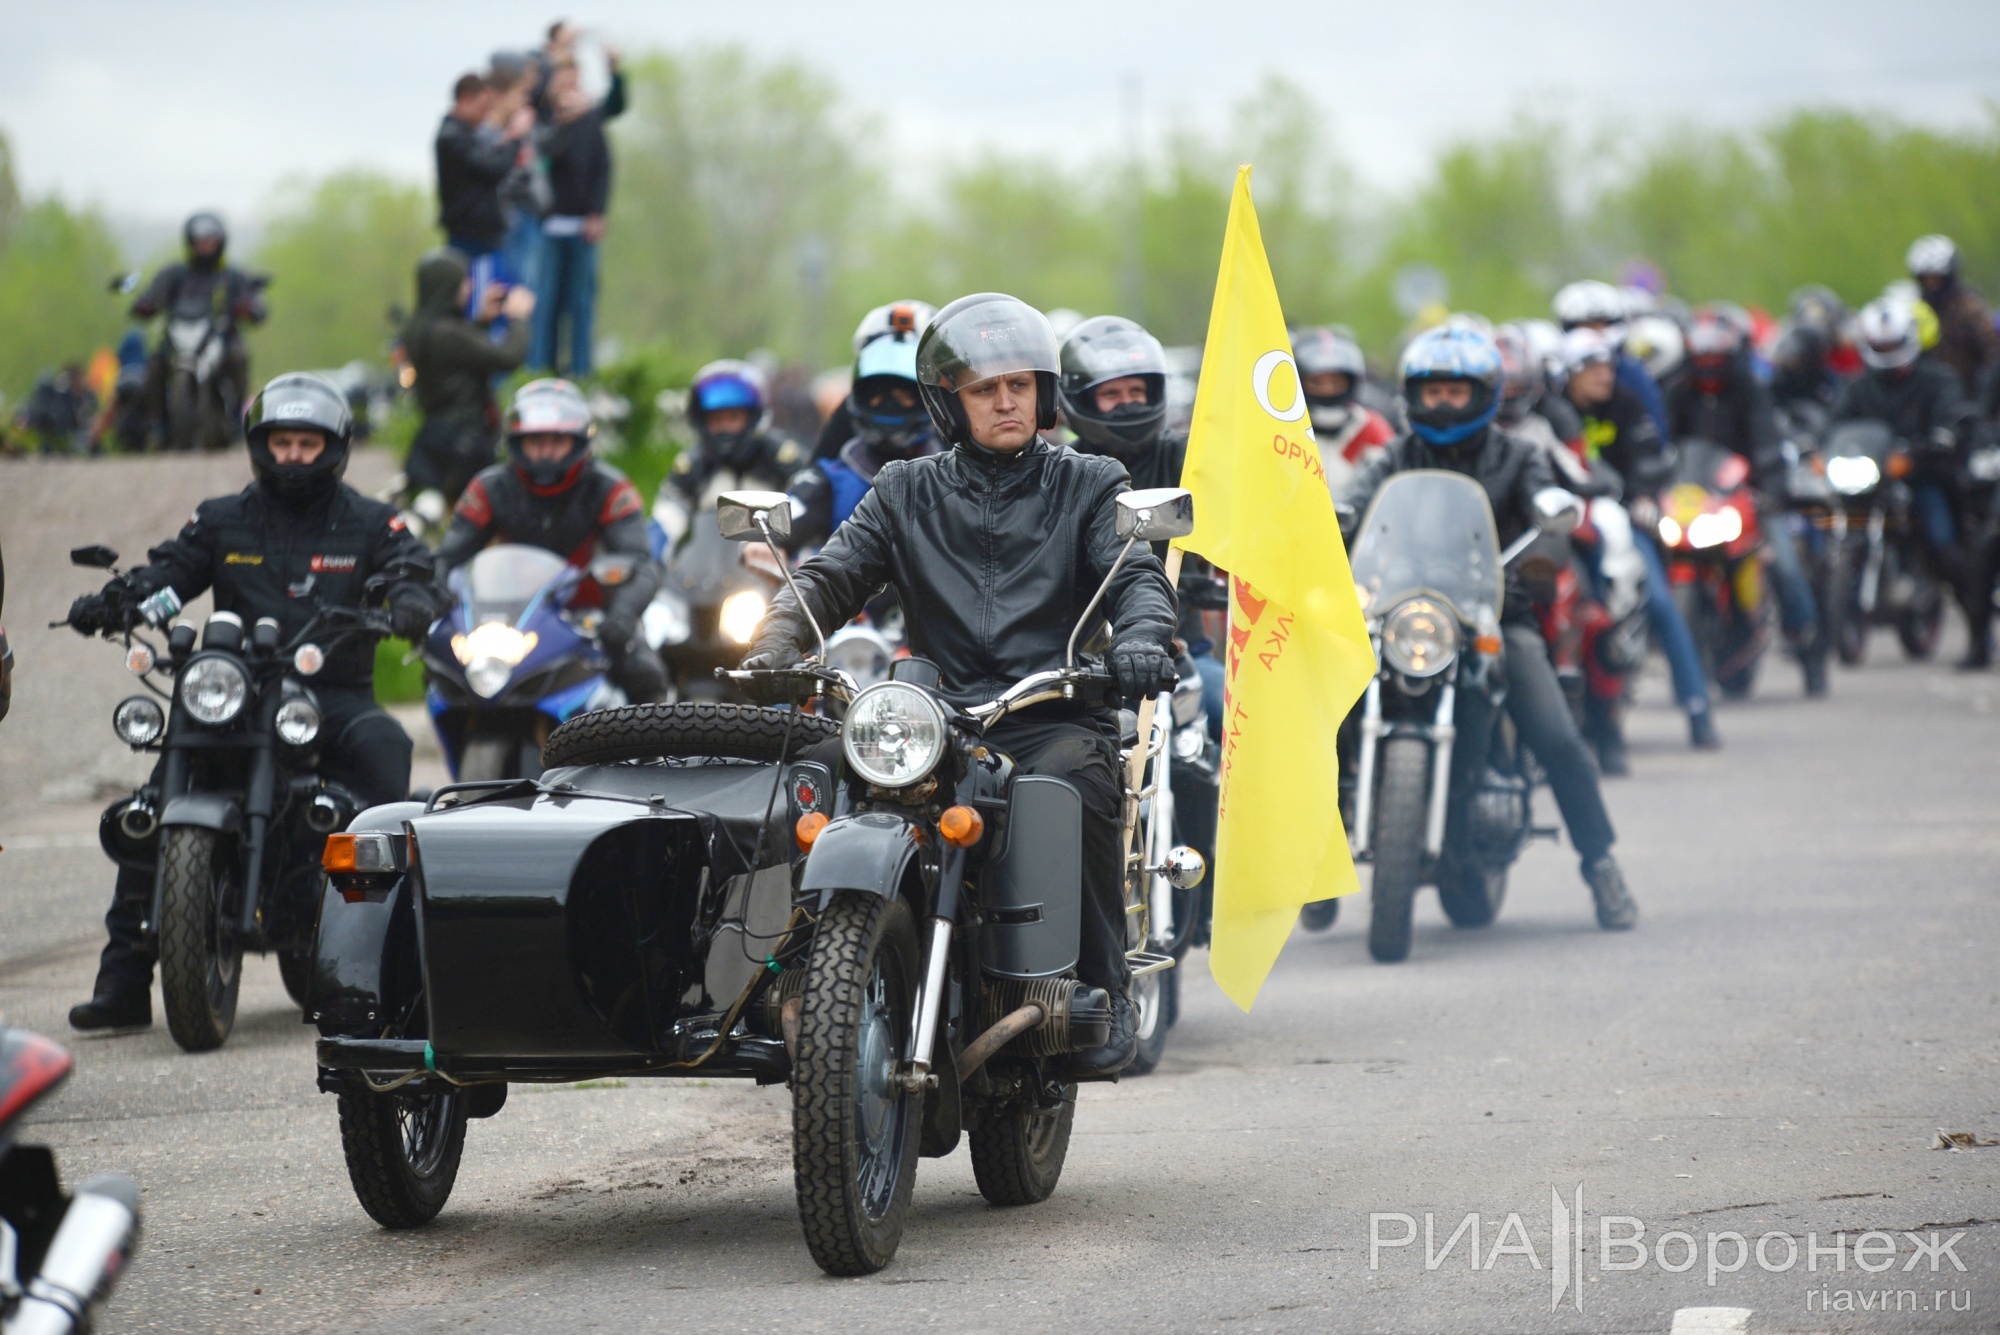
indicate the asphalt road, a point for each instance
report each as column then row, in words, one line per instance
column 1809, row 999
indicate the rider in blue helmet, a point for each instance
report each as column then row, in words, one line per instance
column 1453, row 380
column 729, row 407
column 889, row 422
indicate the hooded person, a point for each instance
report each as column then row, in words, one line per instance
column 455, row 361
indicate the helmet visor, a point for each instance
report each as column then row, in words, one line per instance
column 988, row 335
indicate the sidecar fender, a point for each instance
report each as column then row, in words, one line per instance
column 364, row 949
column 871, row 851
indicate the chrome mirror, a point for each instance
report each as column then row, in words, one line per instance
column 737, row 514
column 1156, row 514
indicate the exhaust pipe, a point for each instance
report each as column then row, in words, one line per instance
column 84, row 1258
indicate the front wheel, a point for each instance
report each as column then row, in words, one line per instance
column 1319, row 915
column 1847, row 625
column 1018, row 1153
column 1153, row 1005
column 201, row 960
column 402, row 1152
column 854, row 1128
column 1921, row 625
column 1399, row 846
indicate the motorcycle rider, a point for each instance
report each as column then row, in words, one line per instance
column 294, row 540
column 729, row 407
column 889, row 421
column 1721, row 399
column 1618, row 430
column 1967, row 341
column 551, row 493
column 889, row 318
column 995, row 547
column 1331, row 372
column 201, row 287
column 1452, row 383
column 455, row 363
column 1599, row 306
column 1924, row 403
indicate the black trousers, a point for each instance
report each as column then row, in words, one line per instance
column 1542, row 717
column 1088, row 759
column 365, row 749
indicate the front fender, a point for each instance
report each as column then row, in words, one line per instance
column 870, row 851
column 209, row 811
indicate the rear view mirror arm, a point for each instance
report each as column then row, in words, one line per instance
column 785, row 569
column 1069, row 658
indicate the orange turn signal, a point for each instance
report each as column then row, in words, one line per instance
column 808, row 829
column 961, row 827
column 1487, row 644
column 1899, row 464
column 363, row 854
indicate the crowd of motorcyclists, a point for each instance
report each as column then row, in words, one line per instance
column 1608, row 402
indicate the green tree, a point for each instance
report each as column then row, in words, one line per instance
column 53, row 303
column 341, row 251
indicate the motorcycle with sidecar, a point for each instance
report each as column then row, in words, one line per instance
column 878, row 912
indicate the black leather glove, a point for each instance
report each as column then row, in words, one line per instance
column 95, row 613
column 769, row 657
column 1142, row 669
column 410, row 619
column 616, row 631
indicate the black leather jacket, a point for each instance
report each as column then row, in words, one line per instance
column 265, row 558
column 994, row 557
column 1510, row 469
column 1925, row 405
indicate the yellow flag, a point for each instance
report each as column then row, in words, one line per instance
column 1299, row 655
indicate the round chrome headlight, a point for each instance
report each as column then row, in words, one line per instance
column 139, row 721
column 1852, row 473
column 298, row 721
column 1420, row 638
column 894, row 734
column 214, row 689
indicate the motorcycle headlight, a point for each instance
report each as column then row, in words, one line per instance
column 1188, row 701
column 488, row 676
column 666, row 622
column 1714, row 528
column 298, row 721
column 495, row 640
column 894, row 734
column 1851, row 474
column 139, row 721
column 1190, row 741
column 1420, row 638
column 213, row 690
column 741, row 611
column 1670, row 531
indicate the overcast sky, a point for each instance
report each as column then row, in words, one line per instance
column 150, row 108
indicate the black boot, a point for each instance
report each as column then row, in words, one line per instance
column 1616, row 909
column 1116, row 1053
column 111, row 1010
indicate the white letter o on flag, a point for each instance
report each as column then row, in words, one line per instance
column 1260, row 385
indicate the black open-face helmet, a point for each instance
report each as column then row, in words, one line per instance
column 549, row 407
column 976, row 338
column 1103, row 349
column 299, row 401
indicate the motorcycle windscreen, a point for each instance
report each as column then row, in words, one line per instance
column 1860, row 440
column 708, row 567
column 1429, row 532
column 1032, row 893
column 502, row 581
column 1705, row 464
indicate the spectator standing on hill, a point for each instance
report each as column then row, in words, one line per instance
column 579, row 167
column 473, row 159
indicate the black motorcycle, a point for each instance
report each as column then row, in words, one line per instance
column 1432, row 798
column 1880, row 569
column 203, row 404
column 59, row 1253
column 233, row 827
column 708, row 606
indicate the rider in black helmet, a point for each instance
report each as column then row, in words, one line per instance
column 295, row 540
column 202, row 286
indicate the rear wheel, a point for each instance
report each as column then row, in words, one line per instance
column 403, row 1152
column 1471, row 895
column 1017, row 1154
column 1153, row 1005
column 201, row 960
column 854, row 1129
column 1399, row 846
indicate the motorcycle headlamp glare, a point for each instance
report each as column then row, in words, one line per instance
column 1852, row 474
column 1420, row 638
column 213, row 690
column 488, row 676
column 1714, row 528
column 741, row 611
column 894, row 735
column 139, row 721
column 297, row 721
